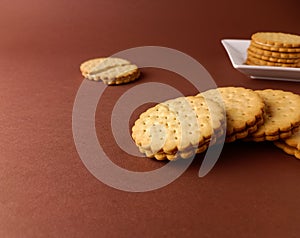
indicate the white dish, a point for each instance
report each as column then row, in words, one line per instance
column 237, row 52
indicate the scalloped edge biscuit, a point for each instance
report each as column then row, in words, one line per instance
column 277, row 39
column 178, row 127
column 244, row 110
column 256, row 61
column 288, row 149
column 275, row 49
column 282, row 115
column 181, row 154
column 112, row 71
column 273, row 59
column 294, row 139
column 275, row 54
column 246, row 132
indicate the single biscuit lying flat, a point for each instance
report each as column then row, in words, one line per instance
column 290, row 145
column 109, row 70
column 282, row 115
column 244, row 110
column 178, row 128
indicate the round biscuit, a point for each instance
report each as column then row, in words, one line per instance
column 275, row 48
column 182, row 154
column 244, row 133
column 112, row 71
column 277, row 39
column 273, row 59
column 282, row 114
column 293, row 140
column 256, row 61
column 275, row 54
column 93, row 66
column 244, row 109
column 177, row 125
column 288, row 149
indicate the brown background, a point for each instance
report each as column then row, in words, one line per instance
column 45, row 190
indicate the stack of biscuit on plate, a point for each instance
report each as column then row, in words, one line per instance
column 274, row 49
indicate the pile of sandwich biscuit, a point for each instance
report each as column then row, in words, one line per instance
column 274, row 49
column 181, row 127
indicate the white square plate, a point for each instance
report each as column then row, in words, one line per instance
column 237, row 52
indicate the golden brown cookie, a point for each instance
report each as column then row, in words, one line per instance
column 244, row 133
column 273, row 59
column 275, row 48
column 109, row 70
column 244, row 110
column 274, row 54
column 276, row 39
column 181, row 154
column 290, row 145
column 256, row 61
column 281, row 117
column 178, row 127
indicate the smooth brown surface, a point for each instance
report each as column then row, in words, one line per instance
column 46, row 191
